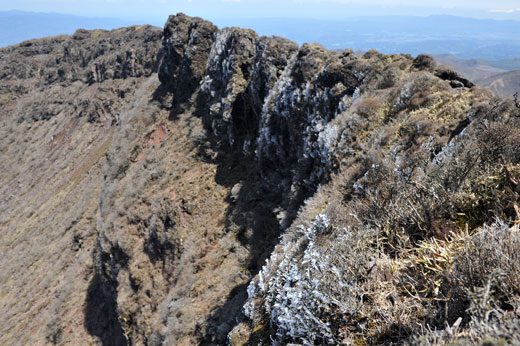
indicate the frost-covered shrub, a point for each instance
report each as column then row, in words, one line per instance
column 312, row 282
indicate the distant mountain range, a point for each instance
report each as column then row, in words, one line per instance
column 18, row 26
column 511, row 64
column 473, row 69
column 467, row 38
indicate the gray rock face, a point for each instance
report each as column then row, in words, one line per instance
column 186, row 46
column 297, row 115
column 225, row 82
column 261, row 96
column 265, row 97
column 293, row 129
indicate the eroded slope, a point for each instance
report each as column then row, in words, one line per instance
column 58, row 119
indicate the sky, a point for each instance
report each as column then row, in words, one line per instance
column 158, row 10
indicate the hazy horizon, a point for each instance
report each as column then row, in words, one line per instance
column 464, row 37
column 158, row 10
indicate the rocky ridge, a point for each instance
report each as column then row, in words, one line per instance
column 240, row 140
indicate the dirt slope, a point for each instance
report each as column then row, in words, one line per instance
column 504, row 84
column 57, row 123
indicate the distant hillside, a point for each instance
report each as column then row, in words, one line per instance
column 504, row 84
column 18, row 26
column 511, row 64
column 473, row 69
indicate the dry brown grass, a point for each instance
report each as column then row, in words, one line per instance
column 421, row 204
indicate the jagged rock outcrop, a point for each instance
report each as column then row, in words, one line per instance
column 45, row 73
column 87, row 56
column 186, row 46
column 169, row 191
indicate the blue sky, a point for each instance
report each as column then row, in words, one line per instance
column 323, row 9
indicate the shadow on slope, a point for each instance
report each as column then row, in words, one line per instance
column 251, row 218
column 101, row 318
column 254, row 214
